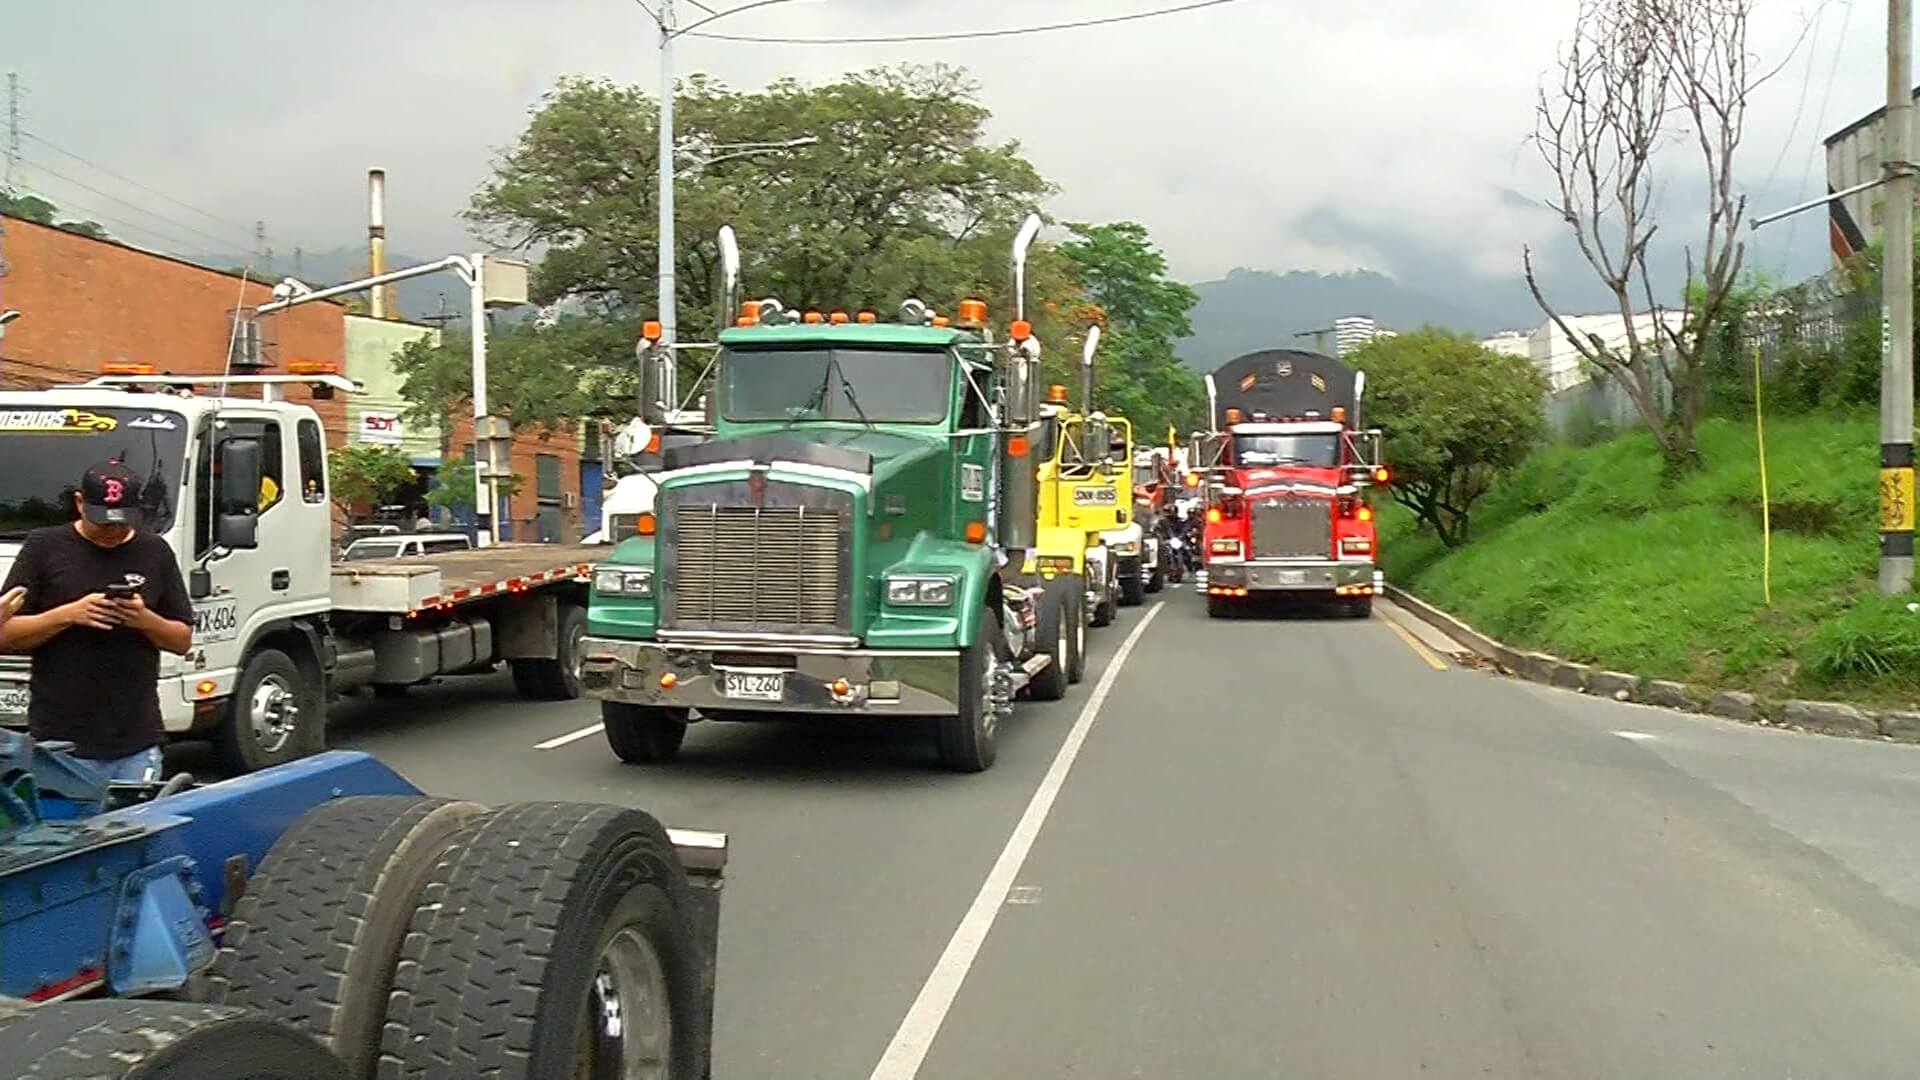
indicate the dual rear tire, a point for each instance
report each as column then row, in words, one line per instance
column 378, row 926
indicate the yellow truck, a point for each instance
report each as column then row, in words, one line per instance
column 1086, row 526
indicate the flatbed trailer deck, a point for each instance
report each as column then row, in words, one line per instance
column 451, row 578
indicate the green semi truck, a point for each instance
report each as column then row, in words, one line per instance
column 848, row 540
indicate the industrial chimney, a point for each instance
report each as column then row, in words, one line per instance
column 377, row 237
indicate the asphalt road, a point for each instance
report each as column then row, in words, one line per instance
column 1284, row 847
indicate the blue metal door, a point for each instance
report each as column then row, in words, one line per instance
column 593, row 479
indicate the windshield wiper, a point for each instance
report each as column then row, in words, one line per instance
column 847, row 388
column 818, row 401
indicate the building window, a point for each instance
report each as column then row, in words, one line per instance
column 313, row 462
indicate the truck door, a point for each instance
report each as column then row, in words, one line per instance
column 288, row 573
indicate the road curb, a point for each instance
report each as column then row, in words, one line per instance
column 1836, row 718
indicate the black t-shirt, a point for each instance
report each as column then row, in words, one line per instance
column 98, row 688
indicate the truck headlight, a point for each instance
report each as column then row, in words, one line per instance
column 1126, row 548
column 623, row 581
column 920, row 591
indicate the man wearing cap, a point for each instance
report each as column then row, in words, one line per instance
column 102, row 599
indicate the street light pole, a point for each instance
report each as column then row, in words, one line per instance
column 668, row 319
column 665, row 300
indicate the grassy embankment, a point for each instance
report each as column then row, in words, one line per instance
column 1584, row 553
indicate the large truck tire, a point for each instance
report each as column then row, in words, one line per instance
column 274, row 716
column 1075, row 592
column 1053, row 634
column 966, row 738
column 554, row 940
column 641, row 734
column 557, row 679
column 1133, row 586
column 121, row 1039
column 315, row 939
column 1157, row 577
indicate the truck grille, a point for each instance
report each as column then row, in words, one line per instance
column 774, row 568
column 1290, row 526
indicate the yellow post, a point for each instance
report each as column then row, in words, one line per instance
column 1766, row 512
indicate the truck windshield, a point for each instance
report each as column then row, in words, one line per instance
column 878, row 385
column 44, row 449
column 1319, row 451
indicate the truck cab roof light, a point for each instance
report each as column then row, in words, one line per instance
column 125, row 368
column 1057, row 394
column 650, row 330
column 838, row 318
column 867, row 317
column 973, row 313
column 1021, row 330
column 1339, row 414
column 941, row 321
column 812, row 318
column 313, row 367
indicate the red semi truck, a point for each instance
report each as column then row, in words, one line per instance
column 1286, row 470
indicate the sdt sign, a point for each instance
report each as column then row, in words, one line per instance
column 383, row 428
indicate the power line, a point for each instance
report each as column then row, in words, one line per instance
column 123, row 226
column 966, row 35
column 1806, row 173
column 123, row 178
column 84, row 186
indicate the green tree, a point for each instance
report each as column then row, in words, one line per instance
column 1456, row 416
column 1124, row 279
column 41, row 212
column 902, row 194
column 363, row 474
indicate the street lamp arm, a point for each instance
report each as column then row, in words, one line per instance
column 718, row 15
column 456, row 263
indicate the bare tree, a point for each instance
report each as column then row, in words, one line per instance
column 1638, row 76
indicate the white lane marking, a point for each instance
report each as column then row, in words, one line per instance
column 916, row 1033
column 1636, row 736
column 571, row 736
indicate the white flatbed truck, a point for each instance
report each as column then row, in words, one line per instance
column 279, row 627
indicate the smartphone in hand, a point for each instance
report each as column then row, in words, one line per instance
column 120, row 592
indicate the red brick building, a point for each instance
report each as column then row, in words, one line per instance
column 86, row 302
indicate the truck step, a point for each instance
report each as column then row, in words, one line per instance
column 1025, row 671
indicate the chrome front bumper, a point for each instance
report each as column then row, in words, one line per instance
column 812, row 678
column 1293, row 575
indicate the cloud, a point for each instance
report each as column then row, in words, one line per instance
column 1229, row 131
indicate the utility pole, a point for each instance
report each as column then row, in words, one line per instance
column 668, row 320
column 1896, row 342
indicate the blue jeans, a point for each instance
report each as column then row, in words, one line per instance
column 145, row 765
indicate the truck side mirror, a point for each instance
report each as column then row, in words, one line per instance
column 239, row 532
column 239, row 473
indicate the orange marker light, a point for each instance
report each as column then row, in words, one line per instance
column 646, row 524
column 1339, row 414
column 205, row 687
column 841, row 688
column 653, row 444
column 1193, row 479
column 1380, row 475
column 1021, row 330
column 976, row 532
column 1057, row 393
column 126, row 369
column 669, row 680
column 812, row 317
column 1365, row 513
column 313, row 367
column 941, row 320
column 973, row 312
column 867, row 317
column 1233, row 416
column 650, row 330
column 838, row 318
column 1017, row 446
column 1213, row 515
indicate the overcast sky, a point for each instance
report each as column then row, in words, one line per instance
column 1224, row 130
